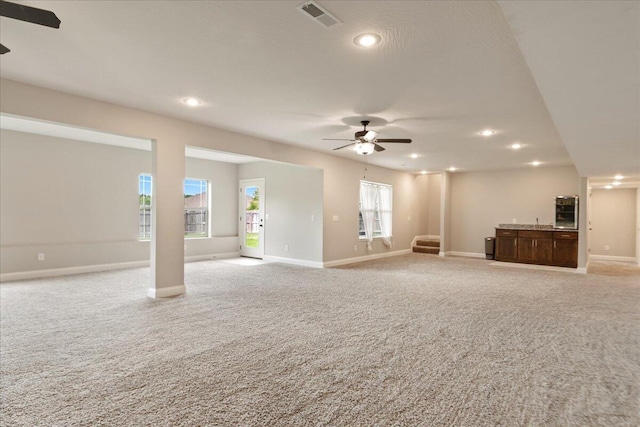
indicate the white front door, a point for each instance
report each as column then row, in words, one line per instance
column 251, row 232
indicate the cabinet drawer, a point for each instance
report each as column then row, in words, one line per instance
column 535, row 234
column 565, row 235
column 506, row 233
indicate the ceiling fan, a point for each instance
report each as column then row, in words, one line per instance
column 27, row 14
column 367, row 141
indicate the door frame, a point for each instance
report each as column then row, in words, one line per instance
column 242, row 204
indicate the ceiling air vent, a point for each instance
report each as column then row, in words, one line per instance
column 318, row 14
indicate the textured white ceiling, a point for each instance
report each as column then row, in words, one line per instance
column 444, row 71
column 585, row 58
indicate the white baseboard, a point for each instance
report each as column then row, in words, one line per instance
column 465, row 254
column 613, row 258
column 54, row 272
column 170, row 291
column 67, row 271
column 224, row 255
column 346, row 261
column 293, row 261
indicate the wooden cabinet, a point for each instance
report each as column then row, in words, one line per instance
column 565, row 249
column 506, row 245
column 537, row 247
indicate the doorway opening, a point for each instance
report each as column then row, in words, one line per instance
column 251, row 227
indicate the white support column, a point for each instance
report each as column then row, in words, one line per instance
column 583, row 224
column 445, row 214
column 167, row 220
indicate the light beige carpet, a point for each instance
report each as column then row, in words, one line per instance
column 413, row 340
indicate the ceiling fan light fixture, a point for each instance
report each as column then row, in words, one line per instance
column 364, row 148
column 370, row 136
column 367, row 40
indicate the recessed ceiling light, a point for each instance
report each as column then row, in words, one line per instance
column 536, row 163
column 516, row 146
column 452, row 169
column 423, row 172
column 192, row 102
column 608, row 187
column 618, row 177
column 487, row 132
column 367, row 40
column 414, row 156
column 616, row 183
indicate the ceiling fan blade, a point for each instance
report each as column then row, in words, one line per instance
column 402, row 140
column 340, row 139
column 344, row 146
column 4, row 49
column 378, row 147
column 29, row 14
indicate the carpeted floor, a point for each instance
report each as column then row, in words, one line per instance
column 412, row 340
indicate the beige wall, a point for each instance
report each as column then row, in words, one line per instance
column 77, row 202
column 293, row 203
column 613, row 222
column 427, row 200
column 341, row 198
column 340, row 178
column 482, row 200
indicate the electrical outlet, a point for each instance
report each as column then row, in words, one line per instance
column 409, row 219
column 606, row 248
column 355, row 247
column 286, row 248
column 40, row 257
column 336, row 218
column 313, row 217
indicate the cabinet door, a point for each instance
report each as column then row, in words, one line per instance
column 565, row 253
column 506, row 248
column 544, row 251
column 526, row 249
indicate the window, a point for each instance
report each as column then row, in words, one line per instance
column 375, row 214
column 144, row 198
column 196, row 207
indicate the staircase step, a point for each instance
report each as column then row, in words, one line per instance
column 426, row 249
column 433, row 243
